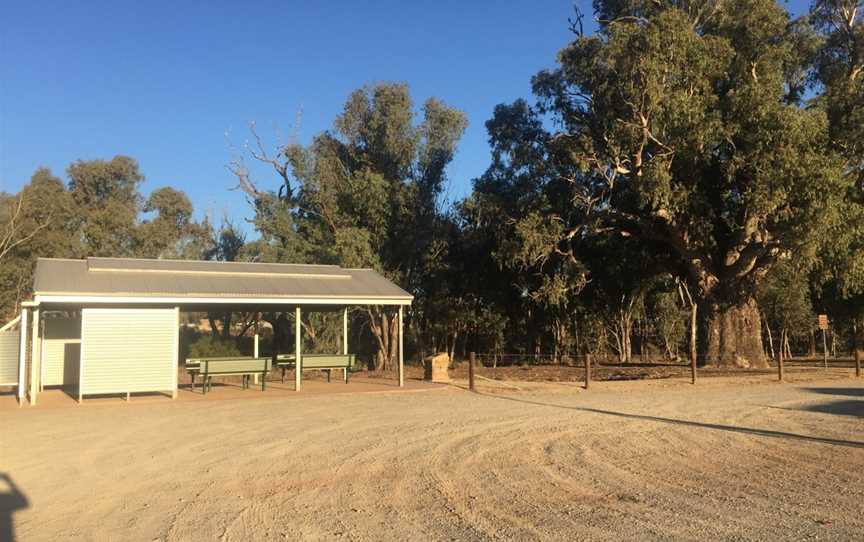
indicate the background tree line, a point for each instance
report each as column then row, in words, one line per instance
column 687, row 182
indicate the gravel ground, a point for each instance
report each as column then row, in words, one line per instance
column 647, row 460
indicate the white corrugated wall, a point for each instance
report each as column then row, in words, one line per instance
column 9, row 341
column 128, row 350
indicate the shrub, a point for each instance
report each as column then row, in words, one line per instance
column 208, row 346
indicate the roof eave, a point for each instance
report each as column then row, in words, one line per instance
column 48, row 297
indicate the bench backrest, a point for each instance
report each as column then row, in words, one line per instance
column 234, row 365
column 193, row 363
column 312, row 361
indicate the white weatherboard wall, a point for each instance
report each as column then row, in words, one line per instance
column 9, row 345
column 128, row 350
column 61, row 344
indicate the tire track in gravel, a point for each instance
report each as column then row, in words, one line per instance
column 660, row 463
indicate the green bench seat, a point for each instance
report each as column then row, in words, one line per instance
column 246, row 367
column 322, row 362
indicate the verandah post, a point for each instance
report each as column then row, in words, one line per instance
column 255, row 344
column 401, row 350
column 298, row 363
column 22, row 356
column 35, row 366
column 345, row 341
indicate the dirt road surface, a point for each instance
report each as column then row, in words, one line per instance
column 624, row 461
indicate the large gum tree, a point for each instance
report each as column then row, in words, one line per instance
column 697, row 125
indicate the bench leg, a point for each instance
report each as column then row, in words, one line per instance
column 328, row 375
column 346, row 374
column 193, row 382
column 264, row 381
column 283, row 374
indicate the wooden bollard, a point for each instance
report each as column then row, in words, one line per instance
column 857, row 363
column 587, row 370
column 471, row 360
column 693, row 369
column 780, row 365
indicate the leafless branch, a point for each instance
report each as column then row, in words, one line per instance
column 12, row 236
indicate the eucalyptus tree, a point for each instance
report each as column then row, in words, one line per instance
column 685, row 123
column 839, row 74
column 106, row 193
column 39, row 221
column 785, row 300
column 516, row 216
column 367, row 193
column 171, row 231
column 97, row 213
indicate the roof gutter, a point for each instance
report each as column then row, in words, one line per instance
column 175, row 300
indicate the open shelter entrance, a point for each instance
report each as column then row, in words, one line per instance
column 111, row 325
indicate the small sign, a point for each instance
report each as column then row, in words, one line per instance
column 823, row 321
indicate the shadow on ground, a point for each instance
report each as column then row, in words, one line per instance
column 10, row 502
column 847, row 392
column 704, row 425
column 840, row 408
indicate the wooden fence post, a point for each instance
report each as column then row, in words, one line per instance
column 587, row 370
column 693, row 369
column 471, row 360
column 780, row 357
column 825, row 349
column 780, row 366
column 857, row 362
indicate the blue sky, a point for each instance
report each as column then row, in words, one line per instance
column 164, row 82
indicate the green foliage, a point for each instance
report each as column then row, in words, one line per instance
column 99, row 213
column 171, row 233
column 784, row 297
column 685, row 133
column 106, row 195
column 46, row 225
column 229, row 244
column 365, row 194
column 208, row 346
column 719, row 143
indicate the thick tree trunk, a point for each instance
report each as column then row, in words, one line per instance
column 734, row 335
column 393, row 342
column 384, row 330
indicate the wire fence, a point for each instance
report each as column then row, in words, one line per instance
column 585, row 368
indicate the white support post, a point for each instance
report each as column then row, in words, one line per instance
column 176, row 352
column 35, row 368
column 81, row 358
column 298, row 340
column 255, row 348
column 401, row 351
column 22, row 356
column 345, row 331
column 42, row 355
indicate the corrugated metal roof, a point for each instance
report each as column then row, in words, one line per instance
column 126, row 277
